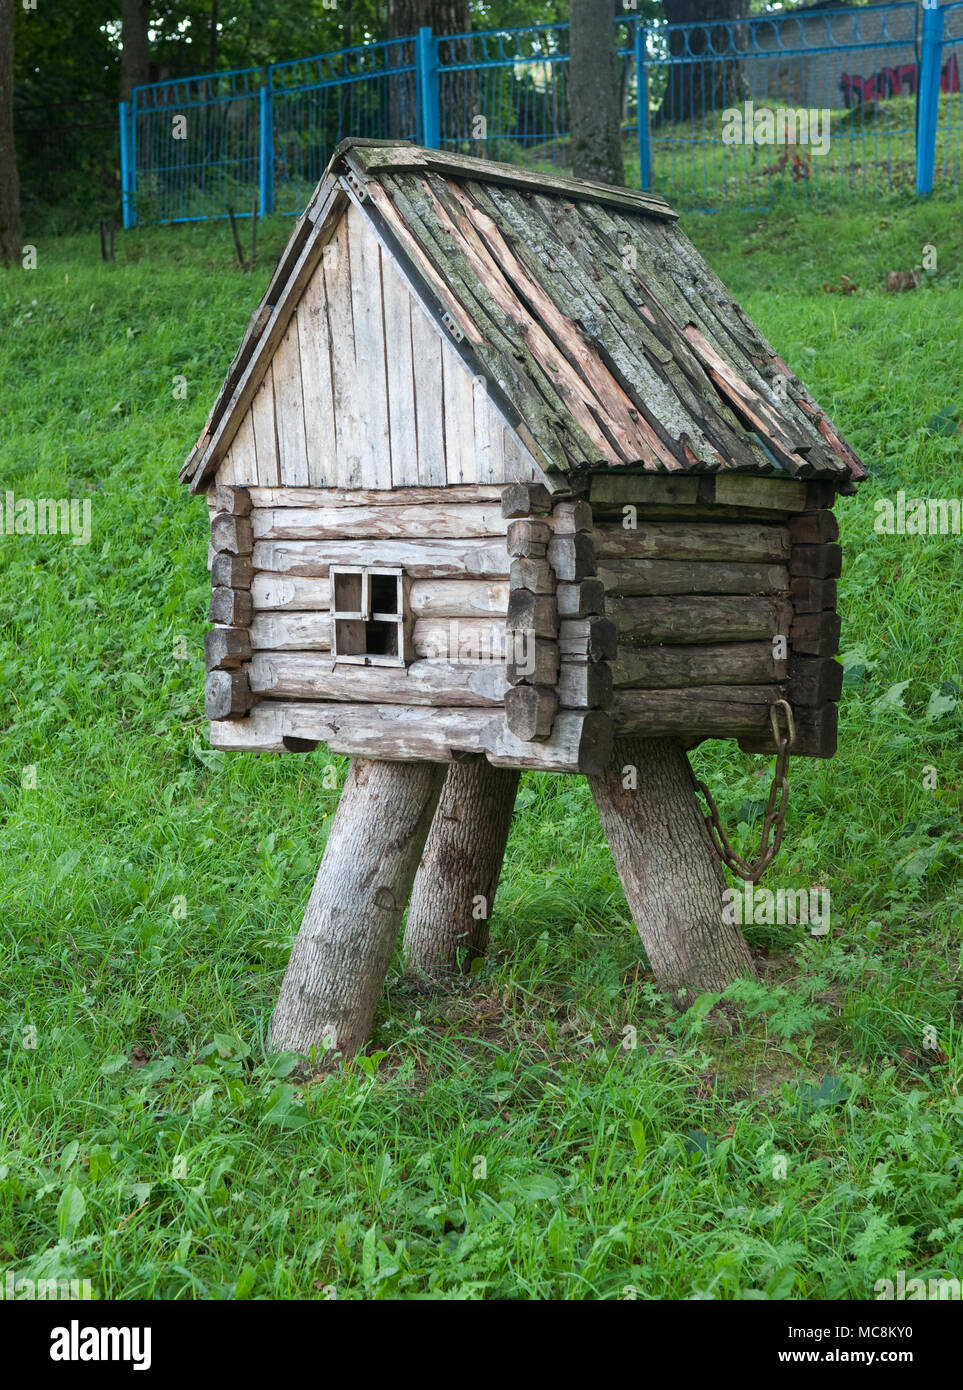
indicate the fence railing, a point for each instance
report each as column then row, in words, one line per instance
column 882, row 82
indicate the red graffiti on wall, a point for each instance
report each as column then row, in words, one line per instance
column 893, row 82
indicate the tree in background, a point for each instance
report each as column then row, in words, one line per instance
column 9, row 179
column 66, row 88
column 695, row 88
column 593, row 93
column 135, row 54
column 443, row 16
column 458, row 95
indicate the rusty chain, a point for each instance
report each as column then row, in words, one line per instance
column 774, row 821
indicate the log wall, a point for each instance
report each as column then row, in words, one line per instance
column 527, row 608
column 722, row 591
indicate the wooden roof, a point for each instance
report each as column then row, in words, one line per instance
column 603, row 335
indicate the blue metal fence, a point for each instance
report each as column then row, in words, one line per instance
column 888, row 77
column 949, row 122
column 822, row 61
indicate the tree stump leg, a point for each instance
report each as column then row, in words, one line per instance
column 672, row 878
column 455, row 887
column 341, row 956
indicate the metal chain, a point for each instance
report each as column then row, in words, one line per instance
column 774, row 821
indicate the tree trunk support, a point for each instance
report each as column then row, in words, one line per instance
column 384, row 825
column 669, row 870
column 341, row 956
column 451, row 903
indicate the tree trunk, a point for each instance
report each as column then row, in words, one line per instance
column 342, row 953
column 9, row 178
column 443, row 16
column 458, row 92
column 593, row 93
column 135, row 51
column 213, row 37
column 668, row 867
column 695, row 88
column 452, row 898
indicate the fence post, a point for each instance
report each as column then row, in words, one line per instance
column 928, row 99
column 642, row 101
column 426, row 59
column 266, row 148
column 126, row 182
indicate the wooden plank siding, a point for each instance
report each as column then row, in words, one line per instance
column 400, row 365
column 242, row 468
column 316, row 380
column 366, row 391
column 265, row 432
column 289, row 409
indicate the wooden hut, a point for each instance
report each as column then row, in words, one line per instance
column 501, row 471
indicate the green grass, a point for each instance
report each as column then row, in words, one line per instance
column 871, row 155
column 152, row 886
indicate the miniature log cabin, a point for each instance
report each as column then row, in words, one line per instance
column 501, row 474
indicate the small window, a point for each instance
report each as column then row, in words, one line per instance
column 368, row 616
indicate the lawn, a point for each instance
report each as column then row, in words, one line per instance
column 551, row 1128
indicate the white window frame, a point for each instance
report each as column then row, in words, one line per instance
column 364, row 614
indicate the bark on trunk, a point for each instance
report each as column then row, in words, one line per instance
column 694, row 88
column 593, row 93
column 9, row 178
column 665, row 859
column 342, row 953
column 451, row 903
column 459, row 92
column 135, row 50
column 213, row 36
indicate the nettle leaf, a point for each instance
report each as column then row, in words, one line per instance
column 940, row 704
column 893, row 697
column 212, row 758
column 856, row 664
column 945, row 422
column 697, row 1141
column 282, row 1109
column 282, row 1063
column 536, row 1188
column 156, row 1069
column 830, row 1091
column 919, row 863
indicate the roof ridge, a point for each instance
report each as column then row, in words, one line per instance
column 374, row 157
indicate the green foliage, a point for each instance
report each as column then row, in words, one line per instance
column 796, row 1138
